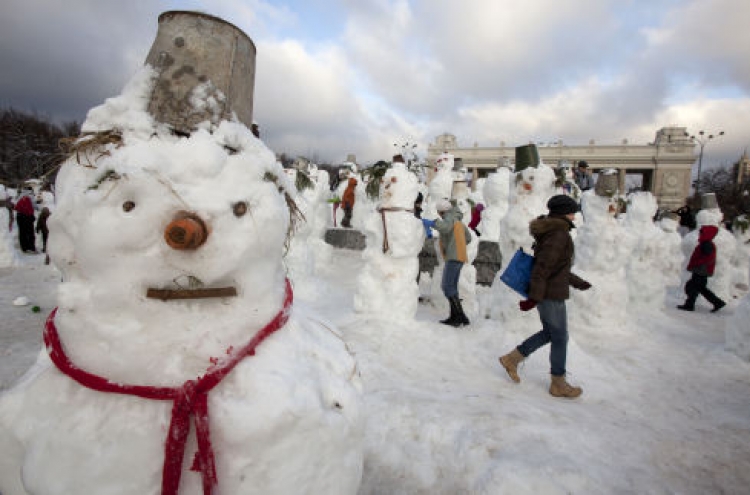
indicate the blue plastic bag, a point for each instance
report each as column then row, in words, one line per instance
column 518, row 272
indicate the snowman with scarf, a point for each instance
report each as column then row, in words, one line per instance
column 176, row 361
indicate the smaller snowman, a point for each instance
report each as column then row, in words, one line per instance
column 602, row 253
column 8, row 255
column 737, row 331
column 496, row 192
column 741, row 256
column 387, row 285
column 441, row 184
column 672, row 248
column 647, row 267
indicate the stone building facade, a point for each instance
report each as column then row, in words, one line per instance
column 665, row 165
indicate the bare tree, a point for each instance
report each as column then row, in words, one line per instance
column 29, row 146
column 733, row 198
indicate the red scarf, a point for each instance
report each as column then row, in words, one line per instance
column 189, row 399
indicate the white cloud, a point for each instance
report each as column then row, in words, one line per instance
column 393, row 70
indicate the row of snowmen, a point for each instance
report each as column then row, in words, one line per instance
column 630, row 259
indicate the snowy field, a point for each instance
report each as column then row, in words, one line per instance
column 665, row 408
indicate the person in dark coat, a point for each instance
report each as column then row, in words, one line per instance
column 418, row 206
column 548, row 289
column 41, row 227
column 583, row 177
column 25, row 218
column 702, row 264
column 687, row 217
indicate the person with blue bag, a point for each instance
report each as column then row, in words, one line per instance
column 548, row 289
column 454, row 236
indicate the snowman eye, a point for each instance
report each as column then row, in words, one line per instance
column 128, row 205
column 239, row 208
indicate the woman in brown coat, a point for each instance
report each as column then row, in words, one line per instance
column 548, row 290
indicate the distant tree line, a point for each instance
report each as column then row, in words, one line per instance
column 30, row 146
column 733, row 196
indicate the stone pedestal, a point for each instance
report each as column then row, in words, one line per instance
column 488, row 262
column 346, row 239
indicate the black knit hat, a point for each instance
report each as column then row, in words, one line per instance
column 561, row 205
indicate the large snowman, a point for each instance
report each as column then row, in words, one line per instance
column 603, row 249
column 176, row 361
column 307, row 249
column 649, row 265
column 531, row 187
column 387, row 285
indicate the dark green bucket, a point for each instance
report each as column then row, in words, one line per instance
column 526, row 156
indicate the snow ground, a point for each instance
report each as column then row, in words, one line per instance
column 665, row 408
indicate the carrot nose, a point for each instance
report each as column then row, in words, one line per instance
column 186, row 232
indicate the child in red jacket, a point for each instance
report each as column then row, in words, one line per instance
column 702, row 264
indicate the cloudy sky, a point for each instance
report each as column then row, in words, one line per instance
column 335, row 77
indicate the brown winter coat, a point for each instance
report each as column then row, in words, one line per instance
column 553, row 252
column 347, row 200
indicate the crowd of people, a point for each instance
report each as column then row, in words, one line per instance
column 29, row 219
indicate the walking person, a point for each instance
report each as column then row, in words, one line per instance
column 347, row 202
column 454, row 236
column 702, row 264
column 548, row 290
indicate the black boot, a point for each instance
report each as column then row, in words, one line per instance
column 461, row 318
column 451, row 320
column 686, row 307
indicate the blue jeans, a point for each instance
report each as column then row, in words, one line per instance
column 554, row 332
column 451, row 272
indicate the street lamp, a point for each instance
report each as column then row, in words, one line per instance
column 702, row 139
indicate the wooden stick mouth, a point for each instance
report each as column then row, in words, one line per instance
column 171, row 294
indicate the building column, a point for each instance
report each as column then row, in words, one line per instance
column 621, row 173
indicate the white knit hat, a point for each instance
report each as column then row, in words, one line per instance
column 443, row 205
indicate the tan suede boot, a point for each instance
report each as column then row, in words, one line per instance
column 510, row 362
column 560, row 388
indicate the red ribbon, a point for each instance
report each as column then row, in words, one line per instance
column 191, row 399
